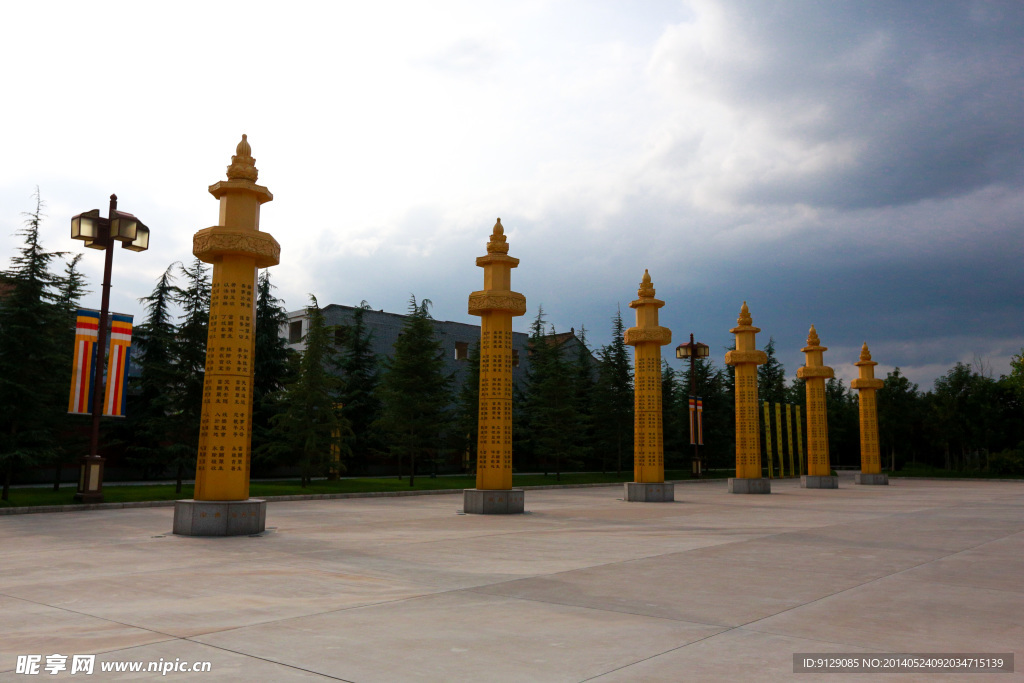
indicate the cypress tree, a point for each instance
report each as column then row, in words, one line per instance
column 149, row 422
column 415, row 391
column 311, row 423
column 271, row 368
column 360, row 378
column 34, row 363
column 614, row 404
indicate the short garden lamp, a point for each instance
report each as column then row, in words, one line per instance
column 692, row 351
column 101, row 233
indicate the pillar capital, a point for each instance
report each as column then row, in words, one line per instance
column 746, row 341
column 867, row 372
column 814, row 365
column 647, row 328
column 497, row 294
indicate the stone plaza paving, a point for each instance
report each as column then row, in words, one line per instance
column 583, row 587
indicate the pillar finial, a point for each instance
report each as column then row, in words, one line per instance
column 812, row 337
column 498, row 243
column 646, row 286
column 864, row 353
column 243, row 166
column 744, row 318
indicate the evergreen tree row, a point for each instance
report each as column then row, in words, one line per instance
column 339, row 409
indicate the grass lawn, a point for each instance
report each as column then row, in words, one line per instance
column 259, row 489
column 919, row 470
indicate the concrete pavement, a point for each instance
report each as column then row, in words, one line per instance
column 584, row 587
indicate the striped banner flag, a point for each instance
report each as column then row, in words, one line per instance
column 700, row 421
column 87, row 325
column 693, row 410
column 117, row 364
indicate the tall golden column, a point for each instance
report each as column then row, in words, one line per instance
column 236, row 248
column 814, row 373
column 745, row 359
column 647, row 338
column 870, row 458
column 496, row 305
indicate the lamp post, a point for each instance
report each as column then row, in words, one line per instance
column 101, row 233
column 693, row 350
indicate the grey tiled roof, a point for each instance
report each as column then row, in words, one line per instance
column 385, row 328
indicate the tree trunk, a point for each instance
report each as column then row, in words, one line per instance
column 412, row 469
column 56, row 475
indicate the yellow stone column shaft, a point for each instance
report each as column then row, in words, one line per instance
column 814, row 373
column 867, row 385
column 235, row 248
column 647, row 338
column 745, row 359
column 496, row 305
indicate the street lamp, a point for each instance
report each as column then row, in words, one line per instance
column 101, row 233
column 693, row 351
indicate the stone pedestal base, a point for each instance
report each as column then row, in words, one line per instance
column 497, row 502
column 220, row 517
column 761, row 485
column 871, row 479
column 650, row 493
column 808, row 481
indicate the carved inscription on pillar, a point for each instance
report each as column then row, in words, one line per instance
column 225, row 431
column 648, row 449
column 817, row 429
column 748, row 439
column 869, row 452
column 494, row 444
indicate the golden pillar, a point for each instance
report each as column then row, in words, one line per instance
column 814, row 373
column 745, row 359
column 866, row 386
column 496, row 305
column 236, row 248
column 647, row 338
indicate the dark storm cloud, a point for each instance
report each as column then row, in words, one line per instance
column 914, row 100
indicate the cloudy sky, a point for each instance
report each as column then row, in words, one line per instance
column 856, row 165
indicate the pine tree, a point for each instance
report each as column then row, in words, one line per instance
column 771, row 377
column 549, row 400
column 843, row 423
column 271, row 368
column 149, row 422
column 33, row 357
column 311, row 423
column 71, row 289
column 190, row 366
column 674, row 417
column 360, row 379
column 415, row 391
column 584, row 379
column 614, row 399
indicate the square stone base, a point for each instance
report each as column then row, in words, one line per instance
column 761, row 485
column 871, row 479
column 220, row 517
column 650, row 493
column 497, row 502
column 808, row 481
